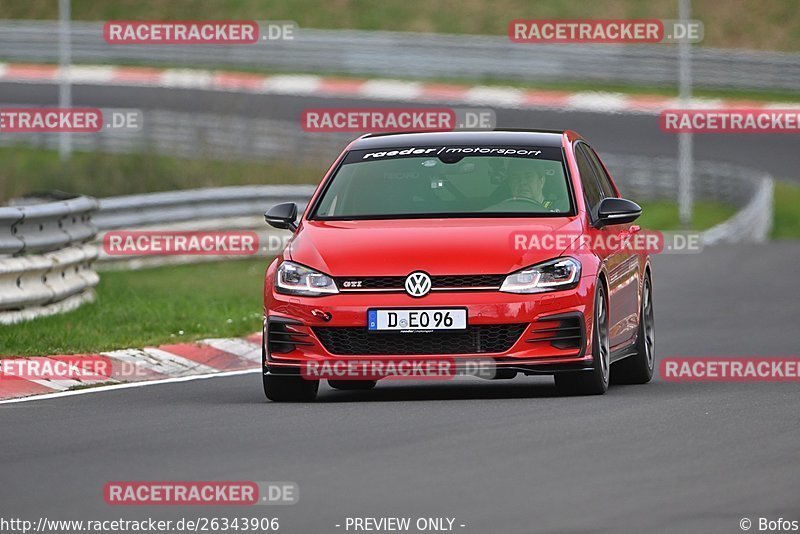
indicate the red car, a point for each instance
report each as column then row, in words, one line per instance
column 458, row 251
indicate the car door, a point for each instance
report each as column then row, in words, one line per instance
column 626, row 271
column 616, row 261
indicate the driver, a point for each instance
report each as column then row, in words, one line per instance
column 526, row 182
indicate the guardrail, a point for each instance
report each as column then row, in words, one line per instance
column 46, row 266
column 421, row 55
column 748, row 190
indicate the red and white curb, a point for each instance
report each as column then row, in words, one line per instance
column 175, row 362
column 378, row 89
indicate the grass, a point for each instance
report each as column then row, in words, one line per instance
column 150, row 307
column 756, row 24
column 31, row 170
column 663, row 215
column 787, row 211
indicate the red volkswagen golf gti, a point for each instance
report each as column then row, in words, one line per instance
column 459, row 252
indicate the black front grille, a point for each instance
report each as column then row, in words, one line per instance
column 476, row 339
column 397, row 283
column 468, row 280
column 283, row 336
column 561, row 331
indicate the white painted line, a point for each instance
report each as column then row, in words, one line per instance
column 183, row 365
column 390, row 89
column 101, row 389
column 159, row 361
column 703, row 103
column 508, row 97
column 186, row 78
column 239, row 347
column 91, row 74
column 58, row 385
column 782, row 105
column 292, row 84
column 137, row 358
column 596, row 101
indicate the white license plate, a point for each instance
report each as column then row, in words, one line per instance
column 417, row 320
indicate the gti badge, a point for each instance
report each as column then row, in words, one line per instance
column 418, row 284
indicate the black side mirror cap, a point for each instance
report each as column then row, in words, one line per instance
column 617, row 211
column 282, row 216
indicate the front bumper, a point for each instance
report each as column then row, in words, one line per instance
column 540, row 333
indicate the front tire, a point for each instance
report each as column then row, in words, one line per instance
column 638, row 369
column 280, row 388
column 594, row 382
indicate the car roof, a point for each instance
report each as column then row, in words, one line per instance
column 541, row 138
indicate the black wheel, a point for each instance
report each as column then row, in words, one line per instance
column 594, row 382
column 352, row 385
column 638, row 369
column 281, row 388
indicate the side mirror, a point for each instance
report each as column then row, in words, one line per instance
column 282, row 216
column 617, row 211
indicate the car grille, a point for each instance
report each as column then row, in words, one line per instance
column 444, row 282
column 476, row 339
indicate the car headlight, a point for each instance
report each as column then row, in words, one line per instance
column 560, row 273
column 295, row 279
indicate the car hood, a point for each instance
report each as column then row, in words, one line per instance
column 436, row 246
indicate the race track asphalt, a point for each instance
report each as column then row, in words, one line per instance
column 501, row 457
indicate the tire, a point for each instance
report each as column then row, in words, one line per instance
column 280, row 388
column 594, row 382
column 638, row 369
column 352, row 385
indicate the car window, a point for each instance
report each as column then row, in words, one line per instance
column 591, row 188
column 408, row 182
column 602, row 175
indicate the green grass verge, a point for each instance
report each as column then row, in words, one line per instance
column 763, row 24
column 169, row 304
column 31, row 170
column 787, row 211
column 663, row 215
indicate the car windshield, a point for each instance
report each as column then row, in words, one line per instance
column 413, row 182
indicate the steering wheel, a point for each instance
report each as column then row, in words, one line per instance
column 521, row 199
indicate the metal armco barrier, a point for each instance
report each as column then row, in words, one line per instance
column 45, row 264
column 421, row 55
